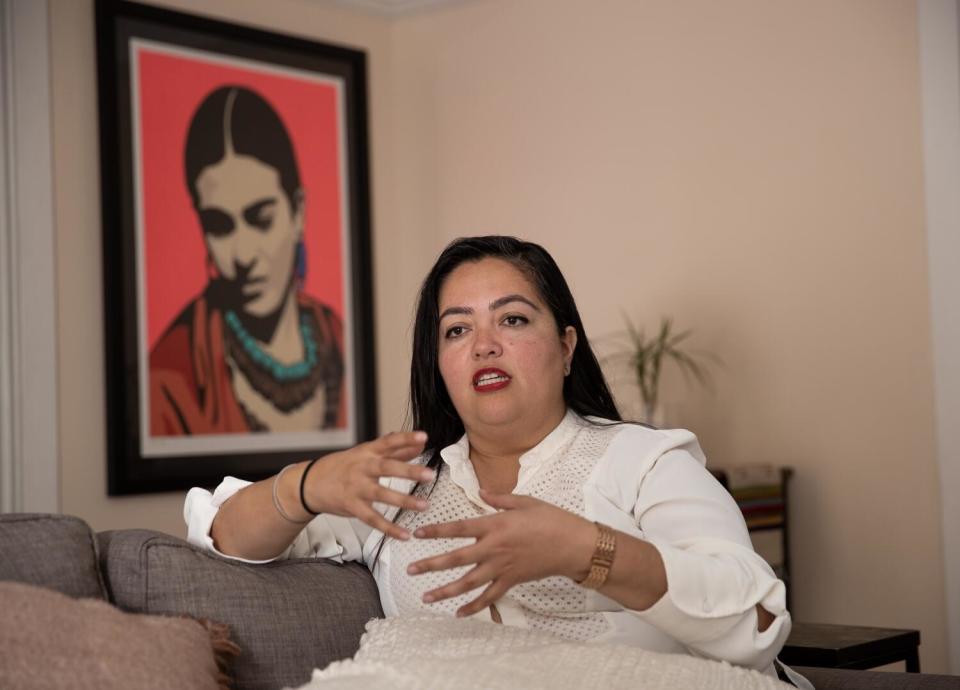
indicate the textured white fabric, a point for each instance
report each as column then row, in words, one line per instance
column 556, row 605
column 427, row 653
column 647, row 483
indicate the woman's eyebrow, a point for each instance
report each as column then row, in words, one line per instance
column 497, row 303
column 259, row 204
column 450, row 311
column 494, row 305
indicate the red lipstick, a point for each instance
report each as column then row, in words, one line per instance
column 490, row 379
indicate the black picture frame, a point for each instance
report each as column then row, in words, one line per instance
column 134, row 465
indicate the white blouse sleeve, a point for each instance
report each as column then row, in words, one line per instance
column 326, row 536
column 714, row 578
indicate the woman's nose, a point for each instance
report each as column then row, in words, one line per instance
column 246, row 247
column 486, row 345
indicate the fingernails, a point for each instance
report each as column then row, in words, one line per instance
column 422, row 505
column 420, row 436
column 420, row 532
column 412, row 569
column 403, row 535
column 461, row 614
column 428, row 475
column 428, row 598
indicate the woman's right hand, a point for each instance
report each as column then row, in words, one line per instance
column 347, row 483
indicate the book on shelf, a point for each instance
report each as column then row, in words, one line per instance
column 752, row 476
column 759, row 521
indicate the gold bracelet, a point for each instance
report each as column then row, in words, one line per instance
column 602, row 560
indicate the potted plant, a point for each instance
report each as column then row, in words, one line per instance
column 646, row 357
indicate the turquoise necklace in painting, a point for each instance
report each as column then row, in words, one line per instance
column 286, row 386
column 279, row 371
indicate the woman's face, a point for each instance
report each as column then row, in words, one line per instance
column 250, row 229
column 501, row 354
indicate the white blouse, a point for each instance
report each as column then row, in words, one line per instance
column 648, row 483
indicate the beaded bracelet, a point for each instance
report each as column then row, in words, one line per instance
column 276, row 499
column 303, row 483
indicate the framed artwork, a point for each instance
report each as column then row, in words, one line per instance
column 236, row 247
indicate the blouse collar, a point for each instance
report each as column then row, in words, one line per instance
column 457, row 457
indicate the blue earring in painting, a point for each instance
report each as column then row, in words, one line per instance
column 300, row 265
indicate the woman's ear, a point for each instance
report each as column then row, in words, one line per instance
column 568, row 341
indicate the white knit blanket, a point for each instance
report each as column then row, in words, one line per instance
column 424, row 653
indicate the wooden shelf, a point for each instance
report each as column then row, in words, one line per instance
column 848, row 646
column 768, row 504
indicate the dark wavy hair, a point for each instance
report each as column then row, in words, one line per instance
column 585, row 390
column 251, row 125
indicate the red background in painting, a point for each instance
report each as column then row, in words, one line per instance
column 171, row 88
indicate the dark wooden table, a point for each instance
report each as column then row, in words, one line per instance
column 848, row 646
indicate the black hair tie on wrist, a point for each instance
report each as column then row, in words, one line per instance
column 303, row 483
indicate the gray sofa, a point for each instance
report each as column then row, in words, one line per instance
column 287, row 617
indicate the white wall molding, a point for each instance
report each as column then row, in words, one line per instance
column 29, row 458
column 939, row 26
column 8, row 477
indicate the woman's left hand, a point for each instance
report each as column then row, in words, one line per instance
column 528, row 540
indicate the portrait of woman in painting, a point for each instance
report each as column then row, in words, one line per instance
column 252, row 352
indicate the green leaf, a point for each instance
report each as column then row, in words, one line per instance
column 648, row 356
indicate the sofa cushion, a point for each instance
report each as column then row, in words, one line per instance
column 288, row 617
column 48, row 640
column 54, row 551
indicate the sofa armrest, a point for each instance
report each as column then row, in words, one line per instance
column 54, row 551
column 288, row 617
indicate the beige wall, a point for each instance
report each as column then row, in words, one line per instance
column 750, row 168
column 753, row 169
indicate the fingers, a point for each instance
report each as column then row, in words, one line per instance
column 474, row 578
column 401, row 500
column 490, row 595
column 475, row 528
column 400, row 442
column 452, row 559
column 404, row 453
column 371, row 517
column 402, row 470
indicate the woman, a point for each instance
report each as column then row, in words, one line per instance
column 252, row 352
column 521, row 498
